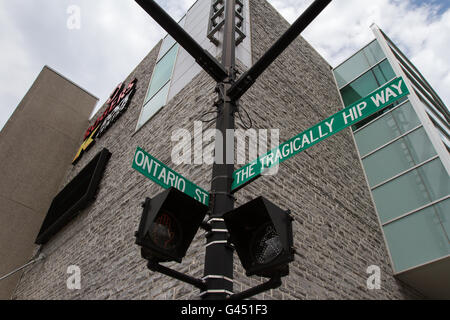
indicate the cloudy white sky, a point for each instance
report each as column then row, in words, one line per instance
column 116, row 35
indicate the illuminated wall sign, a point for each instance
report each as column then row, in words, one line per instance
column 117, row 103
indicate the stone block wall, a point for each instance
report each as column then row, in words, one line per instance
column 336, row 231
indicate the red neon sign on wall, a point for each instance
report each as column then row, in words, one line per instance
column 117, row 103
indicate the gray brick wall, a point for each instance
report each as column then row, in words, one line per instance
column 337, row 235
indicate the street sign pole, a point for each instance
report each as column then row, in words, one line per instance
column 219, row 255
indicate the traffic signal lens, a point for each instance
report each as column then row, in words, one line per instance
column 169, row 223
column 266, row 246
column 262, row 235
column 165, row 231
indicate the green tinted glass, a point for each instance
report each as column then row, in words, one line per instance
column 416, row 239
column 153, row 106
column 357, row 64
column 443, row 211
column 384, row 72
column 411, row 191
column 378, row 114
column 436, row 179
column 167, row 44
column 162, row 72
column 367, row 83
column 386, row 128
column 374, row 53
column 359, row 88
column 351, row 69
column 398, row 157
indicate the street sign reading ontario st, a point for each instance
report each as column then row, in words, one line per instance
column 156, row 171
column 375, row 102
column 167, row 178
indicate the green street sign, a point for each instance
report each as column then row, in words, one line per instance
column 378, row 100
column 156, row 171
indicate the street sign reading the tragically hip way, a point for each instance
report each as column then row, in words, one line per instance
column 351, row 115
column 156, row 171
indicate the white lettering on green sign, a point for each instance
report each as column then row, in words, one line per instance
column 167, row 178
column 375, row 102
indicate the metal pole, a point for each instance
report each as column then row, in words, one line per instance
column 219, row 255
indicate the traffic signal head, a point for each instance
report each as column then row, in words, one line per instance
column 262, row 235
column 168, row 225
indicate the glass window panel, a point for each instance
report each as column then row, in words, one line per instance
column 374, row 53
column 153, row 106
column 359, row 88
column 378, row 114
column 436, row 179
column 162, row 72
column 419, row 146
column 412, row 190
column 384, row 72
column 398, row 157
column 379, row 75
column 406, row 118
column 168, row 42
column 387, row 128
column 367, row 83
column 360, row 62
column 442, row 209
column 416, row 239
column 350, row 69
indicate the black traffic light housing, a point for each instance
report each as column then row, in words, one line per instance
column 262, row 235
column 168, row 225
